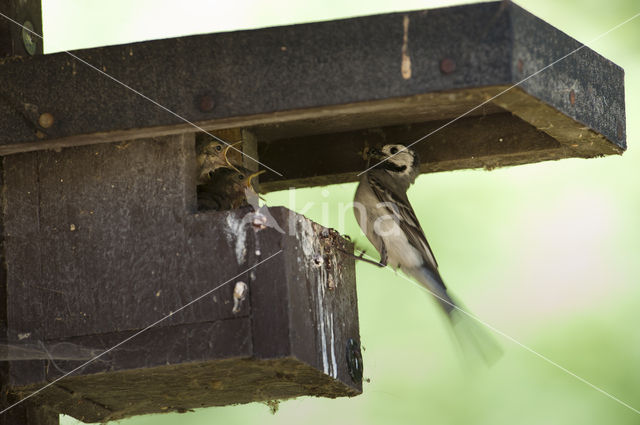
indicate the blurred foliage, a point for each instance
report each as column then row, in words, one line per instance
column 544, row 252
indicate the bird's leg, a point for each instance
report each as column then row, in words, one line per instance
column 361, row 257
column 383, row 255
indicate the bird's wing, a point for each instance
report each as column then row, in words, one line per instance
column 406, row 217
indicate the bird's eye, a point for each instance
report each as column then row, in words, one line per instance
column 240, row 177
column 218, row 148
column 394, row 150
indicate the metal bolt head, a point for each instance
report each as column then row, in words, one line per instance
column 206, row 103
column 447, row 66
column 354, row 361
column 46, row 120
column 29, row 40
column 572, row 97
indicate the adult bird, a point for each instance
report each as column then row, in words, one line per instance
column 386, row 217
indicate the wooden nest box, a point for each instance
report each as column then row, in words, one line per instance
column 100, row 231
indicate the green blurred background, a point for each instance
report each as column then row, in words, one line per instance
column 547, row 253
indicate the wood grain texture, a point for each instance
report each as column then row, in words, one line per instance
column 102, row 241
column 324, row 77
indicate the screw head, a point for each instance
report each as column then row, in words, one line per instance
column 572, row 97
column 206, row 103
column 46, row 120
column 354, row 361
column 447, row 66
column 29, row 40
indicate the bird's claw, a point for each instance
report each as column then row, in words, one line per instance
column 361, row 257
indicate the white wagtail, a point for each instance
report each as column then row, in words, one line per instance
column 386, row 217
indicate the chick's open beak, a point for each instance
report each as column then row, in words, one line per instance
column 226, row 151
column 251, row 176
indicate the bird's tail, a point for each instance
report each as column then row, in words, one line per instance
column 470, row 332
column 473, row 336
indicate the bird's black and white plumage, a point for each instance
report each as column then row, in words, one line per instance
column 386, row 217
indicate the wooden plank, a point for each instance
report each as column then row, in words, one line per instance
column 490, row 141
column 585, row 86
column 309, row 324
column 292, row 67
column 190, row 386
column 159, row 346
column 577, row 140
column 307, row 72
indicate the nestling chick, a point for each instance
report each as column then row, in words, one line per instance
column 386, row 217
column 212, row 154
column 226, row 189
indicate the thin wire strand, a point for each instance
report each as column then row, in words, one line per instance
column 503, row 92
column 138, row 333
column 146, row 97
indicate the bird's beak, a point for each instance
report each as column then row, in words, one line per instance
column 226, row 151
column 251, row 176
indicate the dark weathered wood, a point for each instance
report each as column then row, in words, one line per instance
column 111, row 216
column 30, row 414
column 318, row 78
column 491, row 141
column 189, row 386
column 577, row 141
column 6, row 43
column 103, row 240
column 250, row 149
column 291, row 68
column 585, row 86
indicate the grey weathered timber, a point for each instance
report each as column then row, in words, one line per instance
column 327, row 78
column 101, row 241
